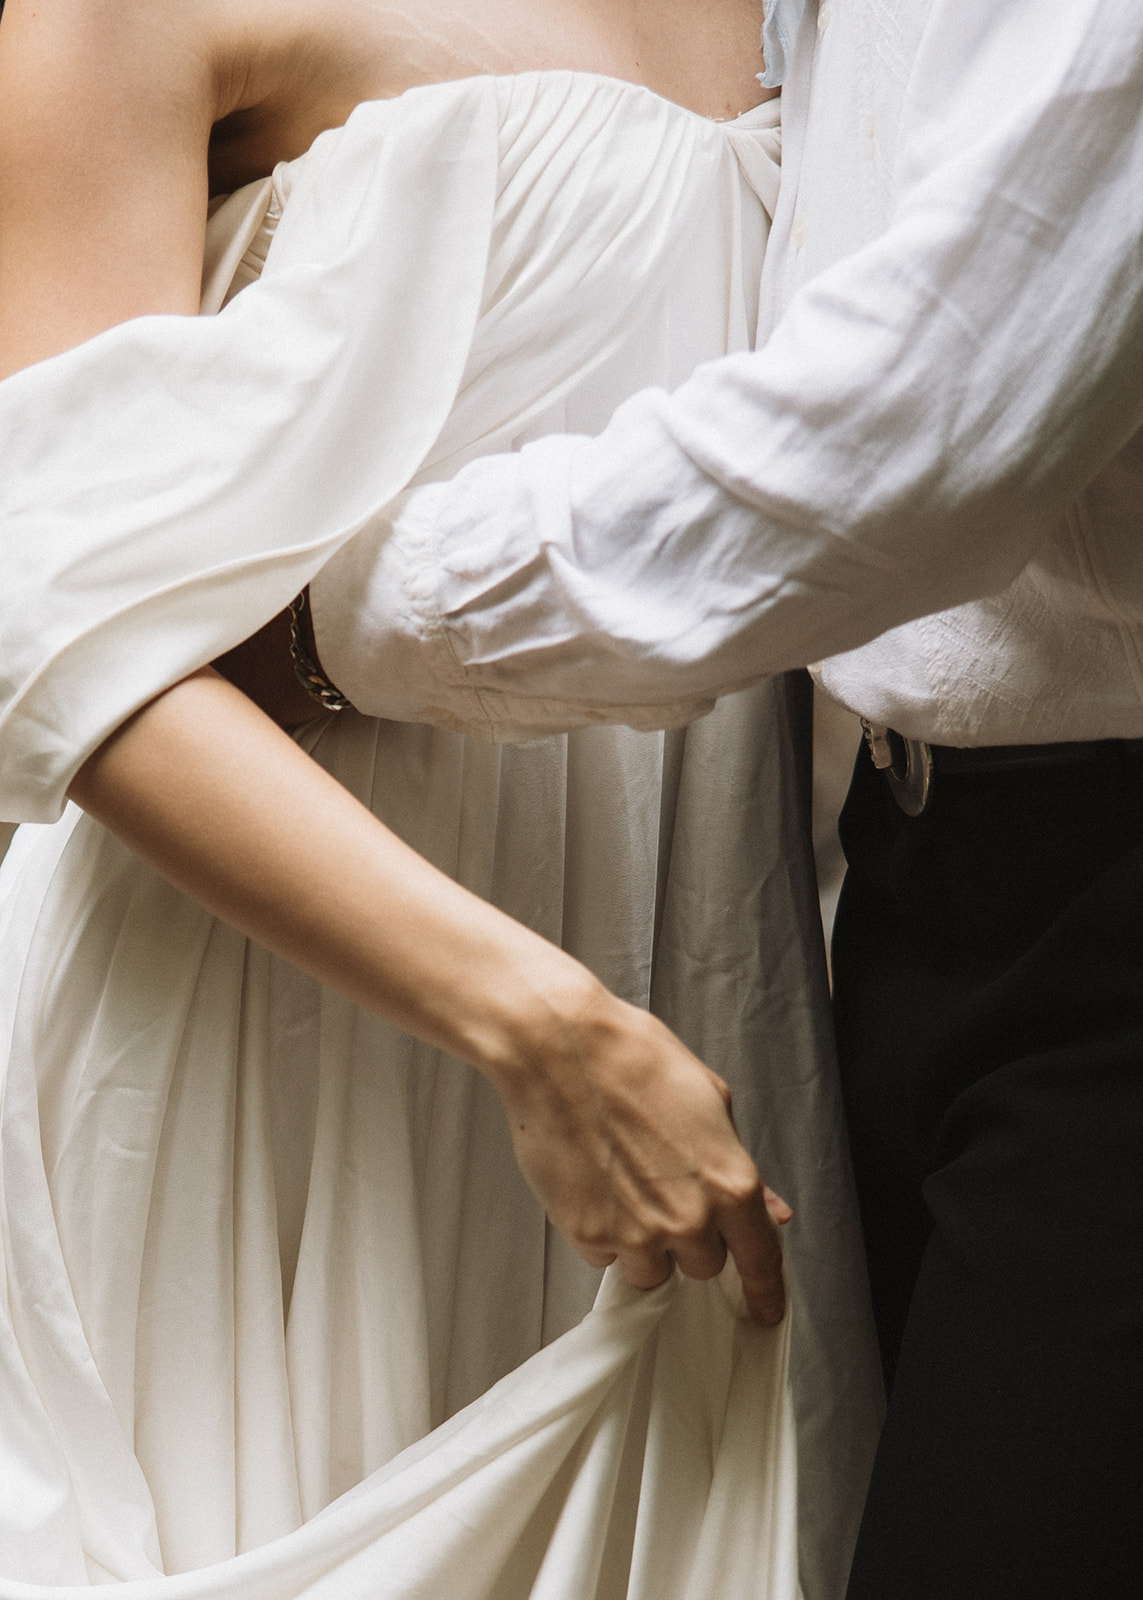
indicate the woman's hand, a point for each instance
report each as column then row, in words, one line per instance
column 626, row 1138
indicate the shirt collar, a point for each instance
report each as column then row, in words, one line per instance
column 778, row 29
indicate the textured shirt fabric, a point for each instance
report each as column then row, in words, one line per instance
column 941, row 426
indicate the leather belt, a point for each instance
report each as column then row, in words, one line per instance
column 910, row 765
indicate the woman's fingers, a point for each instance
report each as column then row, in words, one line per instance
column 747, row 1232
column 646, row 1269
column 704, row 1257
column 742, row 1224
column 752, row 1239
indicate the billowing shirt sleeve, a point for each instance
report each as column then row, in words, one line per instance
column 904, row 441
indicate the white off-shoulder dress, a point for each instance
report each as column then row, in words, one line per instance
column 280, row 1317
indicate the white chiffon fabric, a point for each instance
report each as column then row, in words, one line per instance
column 279, row 1310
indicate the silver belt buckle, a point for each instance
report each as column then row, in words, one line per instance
column 906, row 763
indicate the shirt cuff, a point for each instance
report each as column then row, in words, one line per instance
column 413, row 632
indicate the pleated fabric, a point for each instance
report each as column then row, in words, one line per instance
column 281, row 1318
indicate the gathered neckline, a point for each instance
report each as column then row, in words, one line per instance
column 766, row 114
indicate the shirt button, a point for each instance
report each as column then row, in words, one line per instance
column 798, row 234
column 823, row 17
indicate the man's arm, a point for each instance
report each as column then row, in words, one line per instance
column 920, row 417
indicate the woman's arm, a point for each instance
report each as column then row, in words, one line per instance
column 624, row 1135
column 105, row 112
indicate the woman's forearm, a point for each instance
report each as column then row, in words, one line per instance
column 625, row 1136
column 203, row 786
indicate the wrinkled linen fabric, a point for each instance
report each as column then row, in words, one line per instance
column 280, row 1310
column 929, row 473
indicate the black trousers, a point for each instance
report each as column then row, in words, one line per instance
column 988, row 963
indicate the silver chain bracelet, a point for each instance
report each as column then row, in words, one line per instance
column 312, row 679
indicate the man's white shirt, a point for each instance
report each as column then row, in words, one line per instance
column 929, row 474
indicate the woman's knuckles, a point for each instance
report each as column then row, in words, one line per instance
column 737, row 1185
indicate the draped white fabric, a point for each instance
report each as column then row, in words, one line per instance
column 265, row 1255
column 165, row 485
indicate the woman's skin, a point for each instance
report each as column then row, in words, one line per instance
column 106, row 160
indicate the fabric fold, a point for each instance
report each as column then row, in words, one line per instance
column 507, row 1500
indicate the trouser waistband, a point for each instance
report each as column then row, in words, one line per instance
column 911, row 765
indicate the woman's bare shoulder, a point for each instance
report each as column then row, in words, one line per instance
column 98, row 49
column 105, row 110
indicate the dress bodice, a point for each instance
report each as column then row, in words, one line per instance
column 242, row 225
